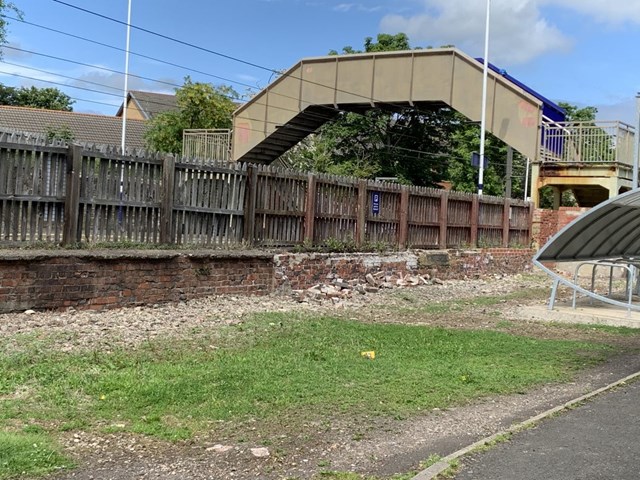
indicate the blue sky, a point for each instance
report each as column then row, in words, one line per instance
column 580, row 51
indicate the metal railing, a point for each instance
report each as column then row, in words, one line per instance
column 206, row 145
column 586, row 142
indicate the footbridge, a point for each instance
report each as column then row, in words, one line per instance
column 315, row 90
column 593, row 160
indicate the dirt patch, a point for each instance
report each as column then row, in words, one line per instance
column 302, row 447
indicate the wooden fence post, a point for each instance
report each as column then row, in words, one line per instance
column 475, row 220
column 248, row 236
column 72, row 196
column 506, row 220
column 310, row 213
column 361, row 218
column 442, row 219
column 166, row 207
column 403, row 228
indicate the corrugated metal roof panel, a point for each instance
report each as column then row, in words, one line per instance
column 610, row 230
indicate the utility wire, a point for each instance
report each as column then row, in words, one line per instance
column 303, row 130
column 167, row 37
column 247, row 85
column 177, row 41
column 395, row 147
column 113, row 47
column 110, row 70
column 231, row 97
column 226, row 56
column 60, row 75
column 189, row 44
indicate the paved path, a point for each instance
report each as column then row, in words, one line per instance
column 598, row 440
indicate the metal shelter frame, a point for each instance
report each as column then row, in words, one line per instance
column 606, row 236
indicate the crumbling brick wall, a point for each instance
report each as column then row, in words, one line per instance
column 112, row 279
column 300, row 271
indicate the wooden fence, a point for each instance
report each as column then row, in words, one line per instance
column 67, row 195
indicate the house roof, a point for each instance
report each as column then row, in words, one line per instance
column 150, row 103
column 88, row 128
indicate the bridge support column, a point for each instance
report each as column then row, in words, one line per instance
column 535, row 194
column 557, row 197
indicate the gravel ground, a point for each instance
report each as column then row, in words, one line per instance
column 369, row 445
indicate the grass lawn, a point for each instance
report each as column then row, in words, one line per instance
column 277, row 364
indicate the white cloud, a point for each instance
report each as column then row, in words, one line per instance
column 347, row 7
column 15, row 50
column 623, row 110
column 26, row 76
column 112, row 83
column 607, row 12
column 519, row 32
column 243, row 77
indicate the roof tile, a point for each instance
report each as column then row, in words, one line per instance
column 90, row 128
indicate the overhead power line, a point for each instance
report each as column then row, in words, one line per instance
column 233, row 58
column 113, row 47
column 173, row 39
column 110, row 70
column 226, row 56
column 189, row 44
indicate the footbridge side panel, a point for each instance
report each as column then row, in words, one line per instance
column 316, row 89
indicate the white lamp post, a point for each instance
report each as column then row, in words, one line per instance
column 483, row 120
column 126, row 81
column 636, row 152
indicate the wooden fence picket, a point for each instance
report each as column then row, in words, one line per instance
column 57, row 194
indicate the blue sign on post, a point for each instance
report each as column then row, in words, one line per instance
column 375, row 203
column 475, row 160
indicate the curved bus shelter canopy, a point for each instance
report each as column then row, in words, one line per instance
column 608, row 231
column 607, row 235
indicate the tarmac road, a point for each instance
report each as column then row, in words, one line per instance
column 597, row 440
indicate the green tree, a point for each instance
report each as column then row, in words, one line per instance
column 62, row 132
column 464, row 177
column 47, row 98
column 385, row 43
column 407, row 144
column 6, row 7
column 576, row 114
column 200, row 105
column 34, row 97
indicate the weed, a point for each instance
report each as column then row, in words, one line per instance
column 502, row 438
column 431, row 460
column 504, row 324
column 625, row 331
column 203, row 271
column 451, row 470
column 406, row 296
column 30, row 454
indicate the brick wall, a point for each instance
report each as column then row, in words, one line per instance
column 111, row 280
column 546, row 223
column 101, row 280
